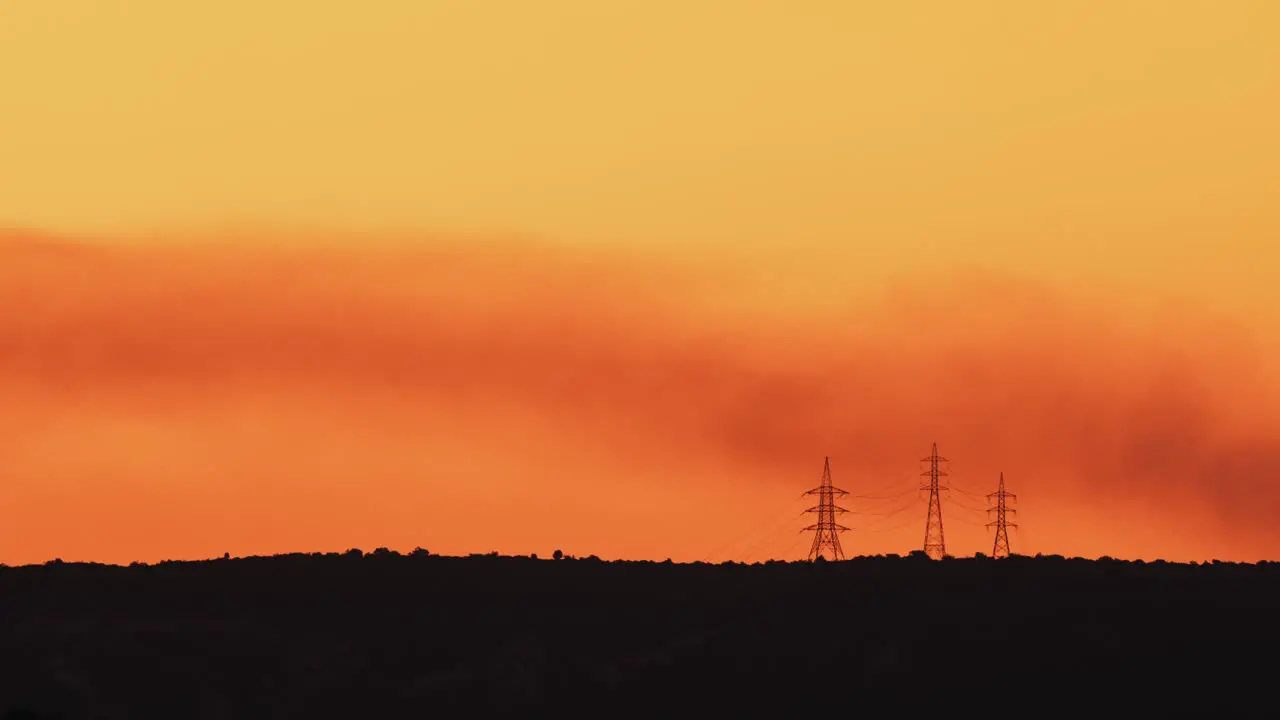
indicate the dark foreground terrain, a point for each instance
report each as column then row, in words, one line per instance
column 390, row 636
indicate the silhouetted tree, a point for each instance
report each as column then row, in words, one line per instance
column 558, row 555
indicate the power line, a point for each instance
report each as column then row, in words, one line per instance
column 772, row 521
column 826, row 531
column 885, row 493
column 966, row 506
column 769, row 536
column 953, row 518
column 793, row 546
column 889, row 513
column 966, row 493
column 892, row 528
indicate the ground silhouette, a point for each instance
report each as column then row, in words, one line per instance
column 384, row 635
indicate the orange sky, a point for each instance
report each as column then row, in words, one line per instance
column 613, row 277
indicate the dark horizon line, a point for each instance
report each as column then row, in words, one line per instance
column 421, row 553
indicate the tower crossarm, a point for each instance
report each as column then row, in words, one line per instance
column 834, row 526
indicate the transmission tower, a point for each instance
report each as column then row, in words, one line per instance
column 826, row 532
column 935, row 545
column 1002, row 510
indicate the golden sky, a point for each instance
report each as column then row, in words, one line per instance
column 1083, row 133
column 725, row 178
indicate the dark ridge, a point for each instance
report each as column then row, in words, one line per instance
column 384, row 635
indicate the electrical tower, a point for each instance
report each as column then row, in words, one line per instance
column 1002, row 510
column 826, row 532
column 935, row 545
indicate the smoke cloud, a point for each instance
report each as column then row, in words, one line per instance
column 176, row 400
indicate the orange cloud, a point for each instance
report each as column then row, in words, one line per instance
column 179, row 401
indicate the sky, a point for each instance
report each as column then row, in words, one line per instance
column 615, row 277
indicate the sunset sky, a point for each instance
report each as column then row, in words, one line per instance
column 614, row 277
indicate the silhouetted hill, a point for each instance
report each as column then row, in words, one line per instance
column 390, row 636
